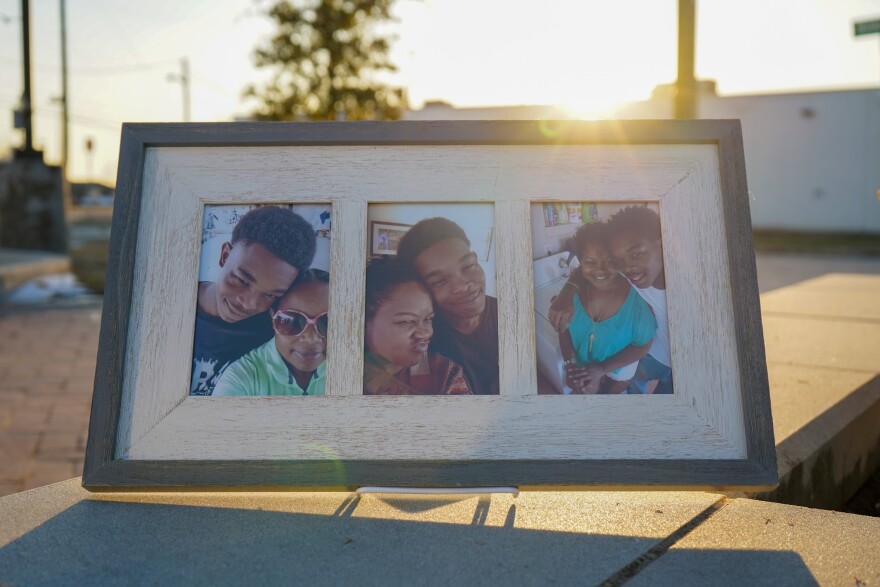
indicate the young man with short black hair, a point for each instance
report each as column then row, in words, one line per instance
column 466, row 326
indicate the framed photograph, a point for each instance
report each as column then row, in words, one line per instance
column 384, row 237
column 537, row 304
column 263, row 295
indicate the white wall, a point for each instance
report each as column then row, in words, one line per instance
column 812, row 158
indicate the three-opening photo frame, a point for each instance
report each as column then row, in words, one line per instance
column 536, row 304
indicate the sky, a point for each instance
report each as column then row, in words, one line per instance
column 583, row 55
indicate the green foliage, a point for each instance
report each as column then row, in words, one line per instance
column 325, row 56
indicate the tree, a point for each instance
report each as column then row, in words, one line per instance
column 326, row 54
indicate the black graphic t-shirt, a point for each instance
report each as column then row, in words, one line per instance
column 476, row 352
column 219, row 343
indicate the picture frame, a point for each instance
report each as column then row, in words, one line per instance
column 384, row 237
column 714, row 432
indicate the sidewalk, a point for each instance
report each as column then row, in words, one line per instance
column 63, row 535
column 47, row 368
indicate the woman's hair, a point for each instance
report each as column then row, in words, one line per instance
column 383, row 275
column 301, row 279
column 589, row 234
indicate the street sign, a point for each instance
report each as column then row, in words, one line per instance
column 867, row 27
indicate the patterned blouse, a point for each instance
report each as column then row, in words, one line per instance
column 434, row 375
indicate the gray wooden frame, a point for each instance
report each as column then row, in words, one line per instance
column 104, row 472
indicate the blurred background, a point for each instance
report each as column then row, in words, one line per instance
column 803, row 77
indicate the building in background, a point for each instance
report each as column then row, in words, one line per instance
column 812, row 158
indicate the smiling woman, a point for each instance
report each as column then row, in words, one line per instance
column 398, row 332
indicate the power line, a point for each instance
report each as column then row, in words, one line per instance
column 214, row 85
column 95, row 70
column 84, row 117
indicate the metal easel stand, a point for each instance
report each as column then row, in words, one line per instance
column 437, row 490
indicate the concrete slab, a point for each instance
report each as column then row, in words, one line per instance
column 800, row 394
column 827, row 438
column 822, row 342
column 62, row 535
column 822, row 337
column 830, row 296
column 844, row 281
column 749, row 542
column 18, row 266
column 777, row 270
column 858, row 305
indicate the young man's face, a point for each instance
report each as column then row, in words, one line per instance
column 455, row 279
column 308, row 349
column 638, row 257
column 250, row 280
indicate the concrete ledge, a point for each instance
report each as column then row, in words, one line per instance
column 62, row 535
column 19, row 266
column 822, row 338
column 826, row 461
column 756, row 543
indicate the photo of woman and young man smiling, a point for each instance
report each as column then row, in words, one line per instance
column 431, row 314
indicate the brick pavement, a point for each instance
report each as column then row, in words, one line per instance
column 47, row 368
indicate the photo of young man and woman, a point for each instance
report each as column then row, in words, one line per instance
column 263, row 297
column 431, row 316
column 600, row 299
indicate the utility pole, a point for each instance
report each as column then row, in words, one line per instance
column 32, row 206
column 686, row 85
column 24, row 116
column 183, row 78
column 66, row 192
column 65, row 118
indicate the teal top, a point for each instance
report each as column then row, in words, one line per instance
column 633, row 324
column 263, row 372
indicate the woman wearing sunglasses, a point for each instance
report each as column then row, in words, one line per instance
column 293, row 362
column 397, row 332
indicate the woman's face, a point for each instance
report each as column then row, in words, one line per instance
column 598, row 267
column 401, row 329
column 307, row 350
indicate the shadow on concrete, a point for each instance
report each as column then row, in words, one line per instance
column 99, row 542
column 721, row 568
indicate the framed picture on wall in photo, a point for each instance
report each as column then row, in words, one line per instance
column 539, row 304
column 385, row 236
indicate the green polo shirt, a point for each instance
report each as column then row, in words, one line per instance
column 263, row 372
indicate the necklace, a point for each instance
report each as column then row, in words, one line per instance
column 596, row 320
